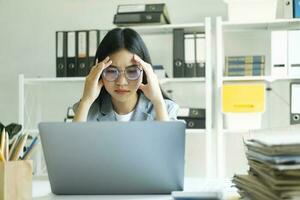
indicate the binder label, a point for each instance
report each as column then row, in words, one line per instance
column 60, row 44
column 71, row 44
column 92, row 43
column 82, row 45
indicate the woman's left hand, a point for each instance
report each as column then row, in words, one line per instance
column 151, row 90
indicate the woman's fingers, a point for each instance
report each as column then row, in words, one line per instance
column 146, row 66
column 100, row 66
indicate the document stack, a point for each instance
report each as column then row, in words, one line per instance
column 274, row 161
column 136, row 14
column 244, row 65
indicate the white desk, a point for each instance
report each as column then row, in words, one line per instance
column 41, row 191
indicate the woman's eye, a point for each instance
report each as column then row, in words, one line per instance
column 131, row 71
column 110, row 71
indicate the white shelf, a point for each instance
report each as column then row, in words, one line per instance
column 261, row 25
column 235, row 130
column 168, row 28
column 258, row 78
column 53, row 80
column 181, row 80
column 197, row 131
column 188, row 131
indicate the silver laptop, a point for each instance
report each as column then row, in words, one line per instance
column 137, row 157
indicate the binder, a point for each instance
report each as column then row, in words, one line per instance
column 191, row 112
column 279, row 49
column 178, row 53
column 293, row 53
column 194, row 117
column 296, row 8
column 189, row 55
column 294, row 103
column 200, row 55
column 71, row 54
column 144, row 8
column 288, row 7
column 93, row 42
column 140, row 18
column 82, row 53
column 193, row 123
column 243, row 98
column 61, row 54
column 102, row 34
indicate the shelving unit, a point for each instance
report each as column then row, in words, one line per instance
column 43, row 84
column 248, row 38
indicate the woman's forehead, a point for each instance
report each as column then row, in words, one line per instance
column 122, row 58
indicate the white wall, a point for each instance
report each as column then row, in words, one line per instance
column 27, row 36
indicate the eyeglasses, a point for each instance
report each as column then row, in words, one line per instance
column 112, row 73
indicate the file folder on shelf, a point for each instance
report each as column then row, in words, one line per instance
column 178, row 53
column 243, row 105
column 194, row 117
column 243, row 98
column 140, row 18
column 295, row 103
column 189, row 55
column 293, row 53
column 93, row 42
column 61, row 54
column 71, row 54
column 200, row 55
column 143, row 8
column 82, row 53
column 279, row 53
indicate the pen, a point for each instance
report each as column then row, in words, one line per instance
column 2, row 140
column 30, row 152
column 14, row 143
column 1, row 157
column 19, row 147
column 6, row 153
column 30, row 149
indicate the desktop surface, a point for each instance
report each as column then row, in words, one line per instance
column 42, row 191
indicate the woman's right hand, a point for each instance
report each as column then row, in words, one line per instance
column 93, row 82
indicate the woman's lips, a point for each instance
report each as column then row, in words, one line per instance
column 121, row 91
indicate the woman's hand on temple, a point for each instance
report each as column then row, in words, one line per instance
column 152, row 89
column 93, row 81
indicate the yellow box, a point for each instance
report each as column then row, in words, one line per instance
column 243, row 98
column 16, row 180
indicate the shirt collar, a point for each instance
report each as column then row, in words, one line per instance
column 141, row 110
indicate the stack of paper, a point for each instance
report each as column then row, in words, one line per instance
column 274, row 161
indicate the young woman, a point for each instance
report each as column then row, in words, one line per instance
column 122, row 85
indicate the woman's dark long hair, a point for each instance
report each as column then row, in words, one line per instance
column 117, row 39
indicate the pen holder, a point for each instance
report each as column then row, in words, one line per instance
column 16, row 180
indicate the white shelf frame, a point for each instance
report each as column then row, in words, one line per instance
column 207, row 80
column 225, row 26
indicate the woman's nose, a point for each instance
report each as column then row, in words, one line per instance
column 121, row 80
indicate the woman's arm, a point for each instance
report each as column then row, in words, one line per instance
column 92, row 88
column 161, row 110
column 152, row 90
column 82, row 112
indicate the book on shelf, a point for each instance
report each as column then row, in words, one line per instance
column 244, row 66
